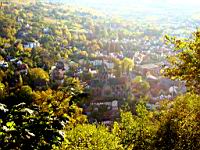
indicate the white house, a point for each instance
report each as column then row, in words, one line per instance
column 93, row 71
column 46, row 30
column 31, row 44
column 96, row 62
column 3, row 64
column 110, row 65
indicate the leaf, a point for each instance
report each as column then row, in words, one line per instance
column 27, row 110
column 10, row 124
column 3, row 108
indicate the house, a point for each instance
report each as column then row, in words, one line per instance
column 139, row 57
column 27, row 26
column 96, row 62
column 173, row 90
column 82, row 61
column 93, row 72
column 109, row 64
column 12, row 60
column 153, row 69
column 60, row 65
column 31, row 44
column 20, row 20
column 4, row 64
column 114, row 105
column 21, row 34
column 103, row 73
column 23, row 68
column 119, row 87
column 57, row 73
column 149, row 76
column 19, row 63
column 46, row 30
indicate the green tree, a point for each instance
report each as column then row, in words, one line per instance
column 25, row 93
column 2, row 90
column 90, row 137
column 179, row 124
column 185, row 64
column 38, row 76
column 22, row 127
column 136, row 131
column 141, row 86
column 61, row 103
column 117, row 67
column 7, row 28
column 127, row 64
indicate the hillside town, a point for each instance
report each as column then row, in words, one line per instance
column 116, row 61
column 80, row 78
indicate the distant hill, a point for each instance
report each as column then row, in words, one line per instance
column 130, row 8
column 180, row 4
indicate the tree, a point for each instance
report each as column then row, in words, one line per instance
column 2, row 75
column 136, row 131
column 141, row 86
column 127, row 64
column 47, row 41
column 184, row 64
column 67, row 34
column 1, row 58
column 61, row 103
column 7, row 28
column 2, row 90
column 179, row 124
column 117, row 67
column 25, row 93
column 22, row 127
column 19, row 47
column 38, row 76
column 94, row 45
column 174, row 125
column 90, row 137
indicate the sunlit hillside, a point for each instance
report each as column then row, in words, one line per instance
column 99, row 75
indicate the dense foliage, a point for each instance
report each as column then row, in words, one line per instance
column 175, row 125
column 90, row 137
column 25, row 127
column 185, row 64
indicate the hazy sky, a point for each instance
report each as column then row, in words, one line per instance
column 140, row 5
column 146, row 3
column 180, row 2
column 174, row 2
